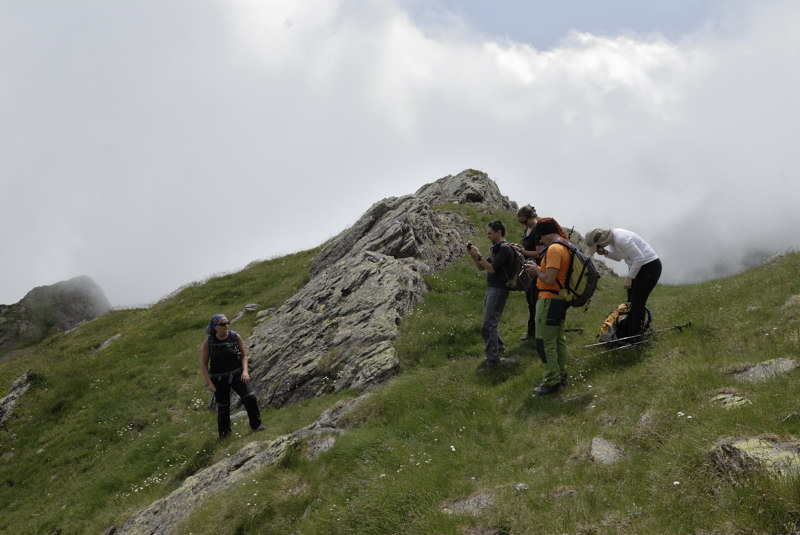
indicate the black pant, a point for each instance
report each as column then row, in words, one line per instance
column 531, row 296
column 640, row 290
column 224, row 383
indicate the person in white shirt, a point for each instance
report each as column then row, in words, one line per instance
column 644, row 270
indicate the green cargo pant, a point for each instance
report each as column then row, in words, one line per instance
column 551, row 342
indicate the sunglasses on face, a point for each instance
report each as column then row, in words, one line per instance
column 223, row 324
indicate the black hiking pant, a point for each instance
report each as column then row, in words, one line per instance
column 531, row 296
column 224, row 383
column 640, row 290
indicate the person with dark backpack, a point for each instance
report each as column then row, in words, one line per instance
column 551, row 308
column 530, row 248
column 498, row 269
column 224, row 351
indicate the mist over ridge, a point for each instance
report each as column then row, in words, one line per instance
column 243, row 130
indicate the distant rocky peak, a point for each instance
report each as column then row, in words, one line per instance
column 49, row 309
column 408, row 226
column 467, row 187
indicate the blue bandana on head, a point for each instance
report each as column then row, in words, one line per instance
column 211, row 324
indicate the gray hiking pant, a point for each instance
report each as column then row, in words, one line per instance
column 493, row 304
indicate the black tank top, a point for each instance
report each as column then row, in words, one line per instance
column 224, row 354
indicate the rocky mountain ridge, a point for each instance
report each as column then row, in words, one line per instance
column 362, row 283
column 338, row 331
column 49, row 309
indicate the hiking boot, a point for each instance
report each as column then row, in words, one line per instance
column 546, row 390
column 259, row 428
column 565, row 380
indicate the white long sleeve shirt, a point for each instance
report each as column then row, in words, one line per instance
column 631, row 248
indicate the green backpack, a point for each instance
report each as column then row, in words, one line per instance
column 582, row 277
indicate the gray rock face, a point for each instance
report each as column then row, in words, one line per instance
column 48, row 309
column 7, row 403
column 731, row 400
column 604, row 452
column 764, row 371
column 162, row 516
column 400, row 227
column 471, row 505
column 778, row 458
column 338, row 331
column 470, row 186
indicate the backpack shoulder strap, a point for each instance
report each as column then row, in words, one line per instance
column 510, row 263
column 565, row 243
column 571, row 249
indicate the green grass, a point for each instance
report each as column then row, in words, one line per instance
column 101, row 435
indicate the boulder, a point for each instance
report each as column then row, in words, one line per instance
column 730, row 399
column 471, row 505
column 605, row 452
column 764, row 371
column 773, row 456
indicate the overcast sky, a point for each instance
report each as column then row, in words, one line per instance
column 152, row 143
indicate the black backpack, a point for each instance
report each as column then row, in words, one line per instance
column 518, row 278
column 608, row 331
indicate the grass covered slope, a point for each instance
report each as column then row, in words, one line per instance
column 102, row 434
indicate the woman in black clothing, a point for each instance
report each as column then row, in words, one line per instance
column 531, row 247
column 224, row 350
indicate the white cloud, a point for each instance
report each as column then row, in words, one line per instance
column 149, row 144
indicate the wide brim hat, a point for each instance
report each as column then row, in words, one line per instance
column 597, row 237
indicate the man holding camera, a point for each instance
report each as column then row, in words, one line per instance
column 497, row 268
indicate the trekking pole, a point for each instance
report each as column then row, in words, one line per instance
column 625, row 346
column 674, row 327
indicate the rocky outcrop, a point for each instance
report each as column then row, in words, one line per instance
column 764, row 371
column 338, row 331
column 604, row 452
column 471, row 505
column 408, row 227
column 467, row 187
column 7, row 403
column 161, row 517
column 49, row 309
column 731, row 400
column 773, row 456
